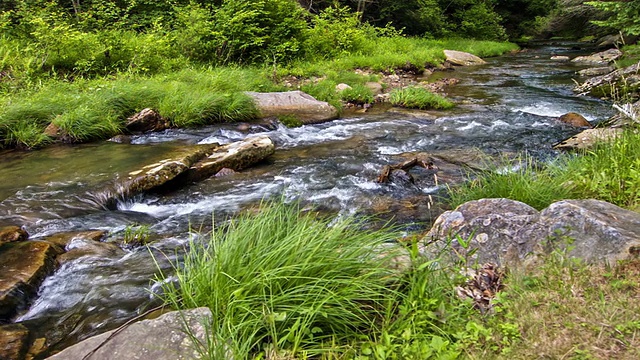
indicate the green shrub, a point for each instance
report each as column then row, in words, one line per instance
column 337, row 31
column 419, row 98
column 258, row 31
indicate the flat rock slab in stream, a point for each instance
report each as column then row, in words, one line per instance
column 235, row 156
column 190, row 164
column 588, row 138
column 462, row 58
column 298, row 104
column 164, row 338
column 507, row 232
column 23, row 266
column 13, row 341
column 601, row 58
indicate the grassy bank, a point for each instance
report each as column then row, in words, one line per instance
column 609, row 172
column 286, row 285
column 87, row 109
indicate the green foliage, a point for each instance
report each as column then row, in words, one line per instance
column 419, row 98
column 335, row 31
column 624, row 16
column 136, row 235
column 252, row 31
column 285, row 281
column 610, row 172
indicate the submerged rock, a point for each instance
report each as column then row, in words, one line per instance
column 13, row 341
column 63, row 239
column 302, row 106
column 507, row 231
column 574, row 119
column 172, row 336
column 588, row 138
column 23, row 266
column 462, row 58
column 12, row 234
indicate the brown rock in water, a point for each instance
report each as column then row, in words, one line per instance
column 462, row 58
column 596, row 71
column 236, row 156
column 146, row 120
column 295, row 103
column 13, row 341
column 85, row 247
column 574, row 119
column 12, row 234
column 23, row 266
column 63, row 239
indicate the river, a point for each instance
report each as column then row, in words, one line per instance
column 509, row 106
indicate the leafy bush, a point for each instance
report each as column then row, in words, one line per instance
column 419, row 98
column 335, row 31
column 623, row 15
column 254, row 31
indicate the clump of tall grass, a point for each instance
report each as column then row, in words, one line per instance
column 526, row 181
column 609, row 172
column 419, row 98
column 286, row 280
column 284, row 283
column 98, row 109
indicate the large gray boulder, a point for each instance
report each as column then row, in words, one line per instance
column 178, row 335
column 598, row 231
column 298, row 104
column 493, row 230
column 506, row 231
column 602, row 58
column 462, row 58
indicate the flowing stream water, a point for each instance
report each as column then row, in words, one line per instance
column 510, row 105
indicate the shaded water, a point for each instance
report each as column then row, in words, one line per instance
column 509, row 105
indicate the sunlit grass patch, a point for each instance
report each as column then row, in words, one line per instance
column 419, row 98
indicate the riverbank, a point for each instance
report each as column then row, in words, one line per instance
column 85, row 110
